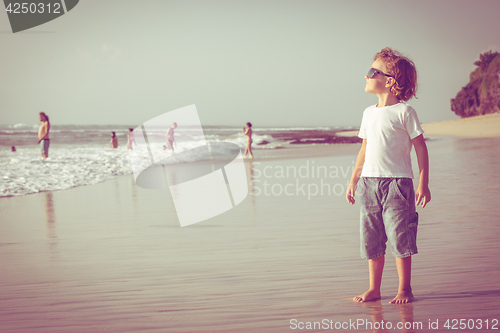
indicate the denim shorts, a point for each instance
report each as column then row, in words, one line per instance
column 387, row 214
column 44, row 146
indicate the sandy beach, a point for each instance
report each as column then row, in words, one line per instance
column 111, row 257
column 486, row 126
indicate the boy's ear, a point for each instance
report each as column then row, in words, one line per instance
column 390, row 82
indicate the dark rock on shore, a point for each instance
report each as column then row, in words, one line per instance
column 328, row 140
column 313, row 137
column 482, row 94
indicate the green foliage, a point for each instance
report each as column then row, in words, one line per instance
column 482, row 94
column 494, row 66
column 489, row 82
column 485, row 59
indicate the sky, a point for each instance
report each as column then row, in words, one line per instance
column 271, row 62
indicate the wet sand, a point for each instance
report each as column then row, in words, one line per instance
column 111, row 257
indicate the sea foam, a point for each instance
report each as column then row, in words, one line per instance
column 25, row 171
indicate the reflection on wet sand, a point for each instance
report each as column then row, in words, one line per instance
column 250, row 177
column 50, row 224
column 379, row 324
column 117, row 195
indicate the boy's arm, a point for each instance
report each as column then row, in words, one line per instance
column 423, row 193
column 356, row 174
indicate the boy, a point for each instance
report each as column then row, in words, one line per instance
column 383, row 169
column 171, row 136
column 130, row 139
column 43, row 134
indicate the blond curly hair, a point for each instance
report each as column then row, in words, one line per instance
column 404, row 72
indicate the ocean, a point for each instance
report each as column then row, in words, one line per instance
column 81, row 155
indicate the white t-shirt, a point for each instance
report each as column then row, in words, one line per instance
column 388, row 132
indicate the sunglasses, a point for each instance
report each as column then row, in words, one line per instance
column 374, row 71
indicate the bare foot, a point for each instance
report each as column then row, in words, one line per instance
column 403, row 297
column 370, row 295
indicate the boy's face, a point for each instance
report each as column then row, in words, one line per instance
column 378, row 84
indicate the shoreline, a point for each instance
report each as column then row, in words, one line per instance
column 315, row 145
column 263, row 155
column 485, row 126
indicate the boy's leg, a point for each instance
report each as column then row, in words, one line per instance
column 404, row 290
column 372, row 235
column 401, row 230
column 45, row 148
column 376, row 268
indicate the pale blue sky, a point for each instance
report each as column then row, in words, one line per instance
column 274, row 63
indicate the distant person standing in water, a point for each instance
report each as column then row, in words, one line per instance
column 170, row 137
column 114, row 140
column 130, row 138
column 248, row 132
column 43, row 134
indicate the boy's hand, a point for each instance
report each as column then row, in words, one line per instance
column 423, row 195
column 351, row 190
